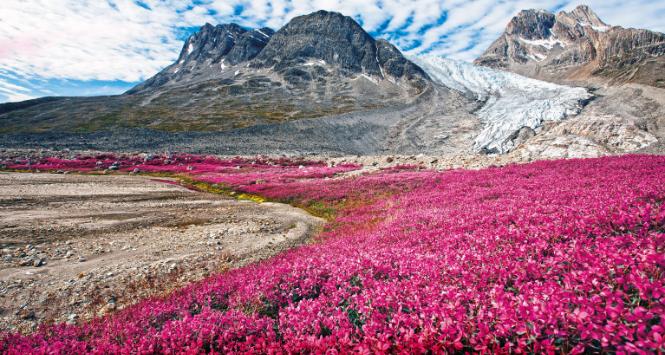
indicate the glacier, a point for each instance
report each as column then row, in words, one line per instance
column 511, row 103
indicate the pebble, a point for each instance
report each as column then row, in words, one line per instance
column 37, row 262
column 72, row 318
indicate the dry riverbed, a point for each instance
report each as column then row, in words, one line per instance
column 77, row 246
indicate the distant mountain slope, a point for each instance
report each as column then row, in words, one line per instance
column 577, row 46
column 228, row 77
column 625, row 68
column 208, row 52
column 515, row 107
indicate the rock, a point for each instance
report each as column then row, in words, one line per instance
column 37, row 262
column 72, row 318
column 27, row 314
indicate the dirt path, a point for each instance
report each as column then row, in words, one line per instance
column 76, row 246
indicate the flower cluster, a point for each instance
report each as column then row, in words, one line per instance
column 237, row 172
column 554, row 256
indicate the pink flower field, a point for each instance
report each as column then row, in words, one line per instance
column 560, row 256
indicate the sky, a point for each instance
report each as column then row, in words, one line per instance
column 104, row 47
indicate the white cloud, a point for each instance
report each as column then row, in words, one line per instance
column 120, row 40
column 12, row 92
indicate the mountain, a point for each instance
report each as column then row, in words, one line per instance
column 208, row 52
column 228, row 77
column 624, row 69
column 332, row 38
column 577, row 46
column 514, row 107
column 321, row 84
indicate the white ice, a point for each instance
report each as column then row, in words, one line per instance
column 511, row 101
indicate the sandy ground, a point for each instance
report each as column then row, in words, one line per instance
column 76, row 246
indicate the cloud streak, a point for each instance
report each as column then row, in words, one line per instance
column 114, row 43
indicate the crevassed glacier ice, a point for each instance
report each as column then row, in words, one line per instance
column 512, row 101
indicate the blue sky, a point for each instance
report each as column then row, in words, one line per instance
column 104, row 47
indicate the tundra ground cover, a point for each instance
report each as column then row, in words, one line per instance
column 545, row 257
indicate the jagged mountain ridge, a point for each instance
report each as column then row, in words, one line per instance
column 318, row 36
column 297, row 53
column 577, row 46
column 208, row 51
column 221, row 82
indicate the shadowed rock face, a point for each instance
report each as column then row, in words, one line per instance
column 229, row 42
column 531, row 24
column 337, row 40
column 328, row 36
column 577, row 46
column 204, row 53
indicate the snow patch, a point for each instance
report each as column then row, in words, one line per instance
column 383, row 75
column 262, row 33
column 512, row 101
column 538, row 57
column 315, row 62
column 369, row 78
column 190, row 48
column 548, row 43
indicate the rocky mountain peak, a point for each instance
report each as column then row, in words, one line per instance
column 304, row 50
column 577, row 46
column 338, row 41
column 231, row 42
column 328, row 36
column 531, row 24
column 584, row 16
column 208, row 51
